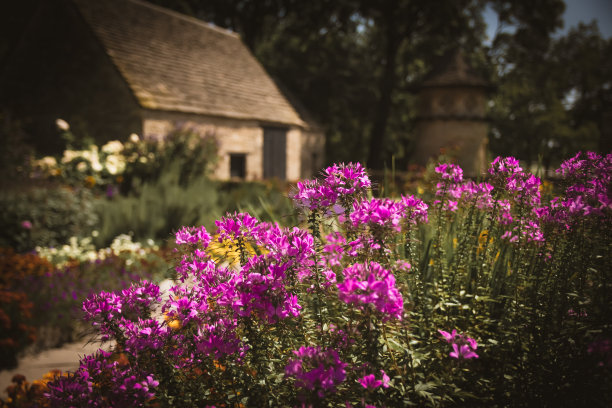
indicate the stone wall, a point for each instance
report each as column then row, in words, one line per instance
column 243, row 137
column 464, row 139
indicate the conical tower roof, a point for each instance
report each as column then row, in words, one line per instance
column 453, row 71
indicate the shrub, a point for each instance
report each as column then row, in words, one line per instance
column 44, row 216
column 15, row 152
column 268, row 200
column 149, row 159
column 123, row 167
column 485, row 297
column 15, row 326
column 55, row 292
column 158, row 209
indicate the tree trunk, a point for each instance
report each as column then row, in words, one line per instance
column 386, row 86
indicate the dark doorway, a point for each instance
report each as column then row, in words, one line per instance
column 275, row 153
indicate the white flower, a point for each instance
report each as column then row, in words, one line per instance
column 92, row 156
column 62, row 125
column 134, row 138
column 115, row 164
column 70, row 155
column 113, row 147
column 47, row 162
column 82, row 166
column 95, row 163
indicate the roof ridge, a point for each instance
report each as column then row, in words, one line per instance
column 185, row 17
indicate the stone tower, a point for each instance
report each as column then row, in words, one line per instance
column 452, row 115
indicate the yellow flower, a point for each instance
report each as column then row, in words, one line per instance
column 482, row 240
column 174, row 324
column 219, row 365
column 90, row 181
column 228, row 251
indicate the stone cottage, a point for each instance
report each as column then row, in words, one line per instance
column 116, row 67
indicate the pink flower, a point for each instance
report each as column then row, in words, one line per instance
column 26, row 224
column 462, row 351
column 463, row 346
column 371, row 284
column 449, row 337
column 370, row 382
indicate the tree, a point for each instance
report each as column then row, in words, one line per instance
column 551, row 98
column 350, row 62
column 586, row 59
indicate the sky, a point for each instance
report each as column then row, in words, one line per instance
column 575, row 11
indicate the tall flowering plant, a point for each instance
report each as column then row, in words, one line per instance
column 348, row 308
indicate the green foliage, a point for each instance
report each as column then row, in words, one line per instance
column 148, row 160
column 54, row 213
column 536, row 310
column 268, row 201
column 552, row 92
column 158, row 208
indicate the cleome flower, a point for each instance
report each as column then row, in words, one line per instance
column 370, row 382
column 371, row 284
column 463, row 346
column 317, row 370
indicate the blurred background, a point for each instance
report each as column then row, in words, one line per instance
column 355, row 68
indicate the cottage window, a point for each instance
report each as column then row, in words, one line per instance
column 238, row 165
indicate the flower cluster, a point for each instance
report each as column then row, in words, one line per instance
column 463, row 346
column 370, row 382
column 101, row 382
column 193, row 235
column 511, row 194
column 378, row 213
column 371, row 284
column 340, row 185
column 588, row 178
column 316, row 370
column 451, row 172
column 328, row 313
column 415, row 209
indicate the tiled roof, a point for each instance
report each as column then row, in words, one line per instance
column 177, row 63
column 453, row 70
